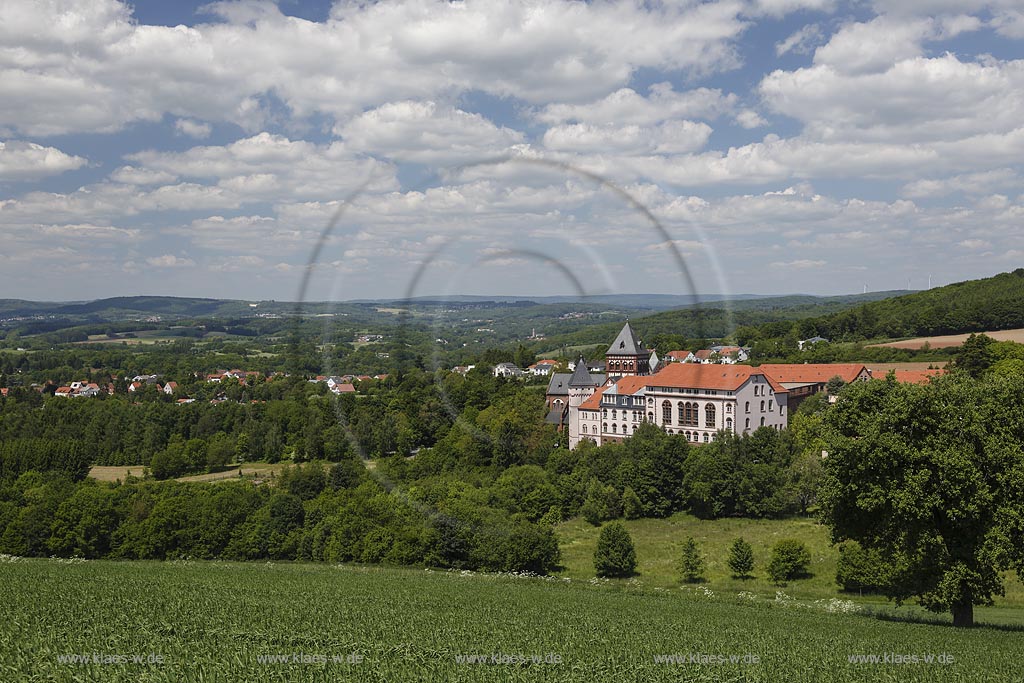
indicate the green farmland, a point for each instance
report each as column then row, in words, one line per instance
column 216, row 621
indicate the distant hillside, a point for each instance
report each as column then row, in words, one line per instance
column 642, row 301
column 717, row 319
column 995, row 303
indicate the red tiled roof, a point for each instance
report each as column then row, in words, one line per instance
column 812, row 372
column 703, row 354
column 631, row 384
column 678, row 355
column 914, row 376
column 344, row 388
column 694, row 376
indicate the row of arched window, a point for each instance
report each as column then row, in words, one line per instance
column 688, row 414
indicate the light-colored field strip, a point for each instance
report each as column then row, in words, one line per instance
column 944, row 341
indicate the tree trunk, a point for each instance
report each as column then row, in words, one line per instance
column 963, row 614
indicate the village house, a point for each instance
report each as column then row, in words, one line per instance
column 803, row 343
column 78, row 390
column 507, row 370
column 543, row 367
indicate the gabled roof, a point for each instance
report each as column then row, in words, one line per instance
column 558, row 385
column 629, row 385
column 808, row 373
column 626, row 344
column 700, row 376
column 581, row 376
column 678, row 355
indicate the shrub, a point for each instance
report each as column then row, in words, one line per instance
column 859, row 570
column 741, row 559
column 615, row 555
column 790, row 560
column 602, row 503
column 691, row 564
column 632, row 508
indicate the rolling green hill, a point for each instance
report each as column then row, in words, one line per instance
column 717, row 319
column 994, row 303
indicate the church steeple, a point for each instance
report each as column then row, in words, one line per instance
column 627, row 355
column 626, row 344
column 581, row 376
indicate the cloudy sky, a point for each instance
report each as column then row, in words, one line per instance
column 487, row 147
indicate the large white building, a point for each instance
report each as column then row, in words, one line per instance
column 696, row 401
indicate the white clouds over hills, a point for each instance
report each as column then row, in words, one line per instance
column 265, row 121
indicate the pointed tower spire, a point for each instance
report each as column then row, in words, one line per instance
column 626, row 344
column 581, row 376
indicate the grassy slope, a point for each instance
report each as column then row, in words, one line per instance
column 659, row 542
column 209, row 621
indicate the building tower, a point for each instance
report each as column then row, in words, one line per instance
column 627, row 356
column 582, row 386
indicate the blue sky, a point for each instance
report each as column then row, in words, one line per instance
column 779, row 145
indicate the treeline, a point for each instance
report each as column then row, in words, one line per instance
column 65, row 456
column 652, row 474
column 338, row 516
column 284, row 419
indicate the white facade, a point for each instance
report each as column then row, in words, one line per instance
column 577, row 395
column 507, row 370
column 696, row 412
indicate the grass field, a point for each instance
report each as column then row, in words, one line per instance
column 256, row 470
column 659, row 544
column 943, row 341
column 192, row 621
column 115, row 472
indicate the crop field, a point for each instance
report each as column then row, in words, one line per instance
column 880, row 369
column 943, row 341
column 193, row 621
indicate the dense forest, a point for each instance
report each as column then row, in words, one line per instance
column 442, row 470
column 995, row 303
